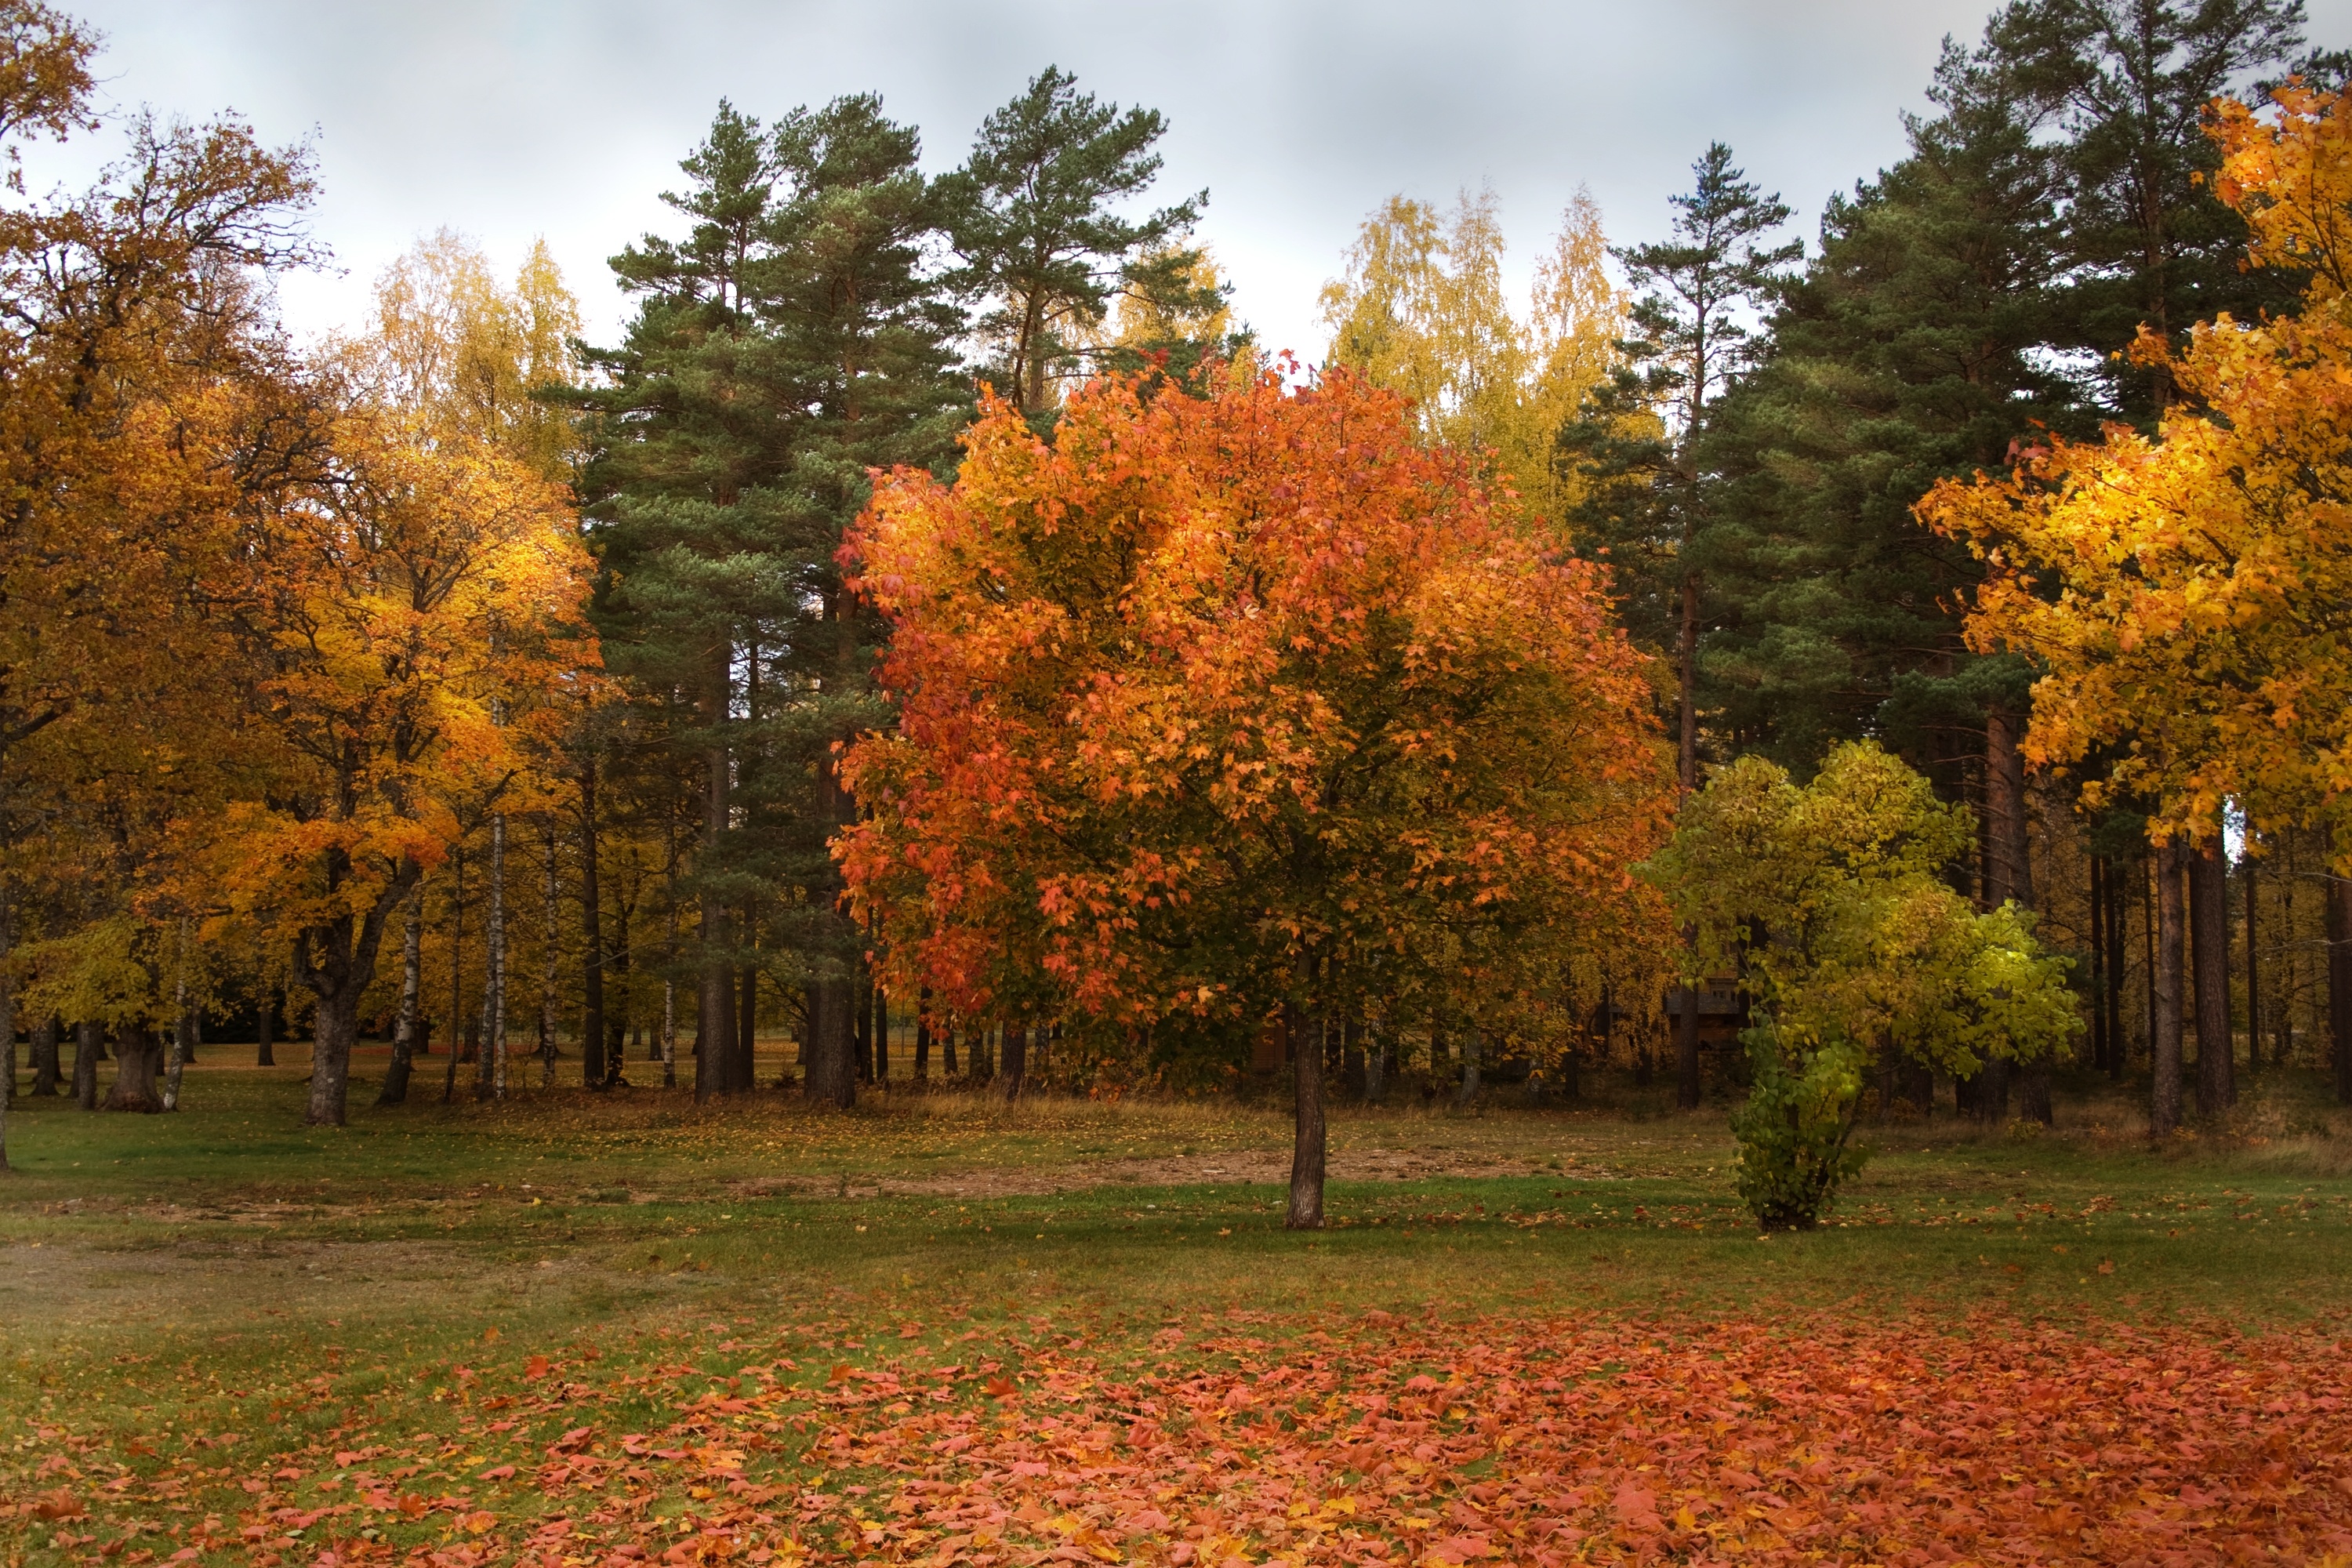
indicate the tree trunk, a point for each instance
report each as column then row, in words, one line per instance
column 137, row 1056
column 494, row 990
column 829, row 1068
column 714, row 1022
column 1307, row 1145
column 412, row 987
column 743, row 1073
column 546, row 964
column 2118, row 1050
column 593, row 1071
column 2099, row 963
column 1352, row 1075
column 882, row 1037
column 2009, row 878
column 333, row 1032
column 1468, row 1091
column 1376, row 1068
column 714, row 1005
column 947, row 1052
column 669, row 1034
column 2209, row 941
column 2253, row 975
column 1015, row 1067
column 1687, row 1086
column 2008, row 840
column 2339, row 981
column 923, row 1036
column 44, row 1058
column 862, row 1032
column 338, row 975
column 85, row 1067
column 184, row 1031
column 2164, row 1028
column 7, row 1028
column 264, row 1050
column 457, row 974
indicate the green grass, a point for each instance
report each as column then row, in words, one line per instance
column 227, row 1268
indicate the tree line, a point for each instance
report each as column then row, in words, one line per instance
column 934, row 609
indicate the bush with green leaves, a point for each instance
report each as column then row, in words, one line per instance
column 1829, row 898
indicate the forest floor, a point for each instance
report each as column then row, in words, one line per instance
column 594, row 1331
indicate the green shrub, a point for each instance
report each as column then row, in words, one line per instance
column 1796, row 1131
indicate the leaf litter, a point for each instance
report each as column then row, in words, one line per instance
column 1248, row 1438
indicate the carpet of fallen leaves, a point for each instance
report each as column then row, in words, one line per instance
column 1242, row 1438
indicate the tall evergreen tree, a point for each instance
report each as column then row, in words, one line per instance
column 1044, row 249
column 2125, row 85
column 1648, row 496
column 794, row 336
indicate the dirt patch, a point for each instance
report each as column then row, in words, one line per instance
column 253, row 1284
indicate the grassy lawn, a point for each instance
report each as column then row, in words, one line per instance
column 218, row 1324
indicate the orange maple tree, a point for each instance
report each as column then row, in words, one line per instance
column 1223, row 708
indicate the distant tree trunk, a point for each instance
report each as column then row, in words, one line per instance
column 494, row 990
column 618, row 1022
column 1307, row 1145
column 1687, row 1084
column 882, row 1037
column 2118, row 1048
column 714, row 1022
column 1014, row 1068
column 547, row 962
column 923, row 1036
column 593, row 1071
column 2009, row 878
column 2145, row 875
column 44, row 1058
column 2253, row 976
column 947, row 1052
column 183, row 1028
column 670, row 961
column 2339, row 981
column 2164, row 1105
column 8, row 1025
column 412, row 987
column 829, row 1067
column 744, row 1073
column 264, row 1050
column 2209, row 942
column 85, row 1066
column 137, row 1056
column 2101, row 960
column 861, row 1011
column 175, row 1058
column 1352, row 1073
column 669, row 1034
column 1472, row 1040
column 456, row 974
column 1376, row 1067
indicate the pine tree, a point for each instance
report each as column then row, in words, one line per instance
column 1648, row 496
column 793, row 340
column 2127, row 85
column 1033, row 218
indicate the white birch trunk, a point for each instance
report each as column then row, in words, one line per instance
column 546, row 971
column 494, row 1000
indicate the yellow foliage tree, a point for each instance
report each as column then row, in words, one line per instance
column 2183, row 591
column 1422, row 310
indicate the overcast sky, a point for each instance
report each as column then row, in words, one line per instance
column 509, row 119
